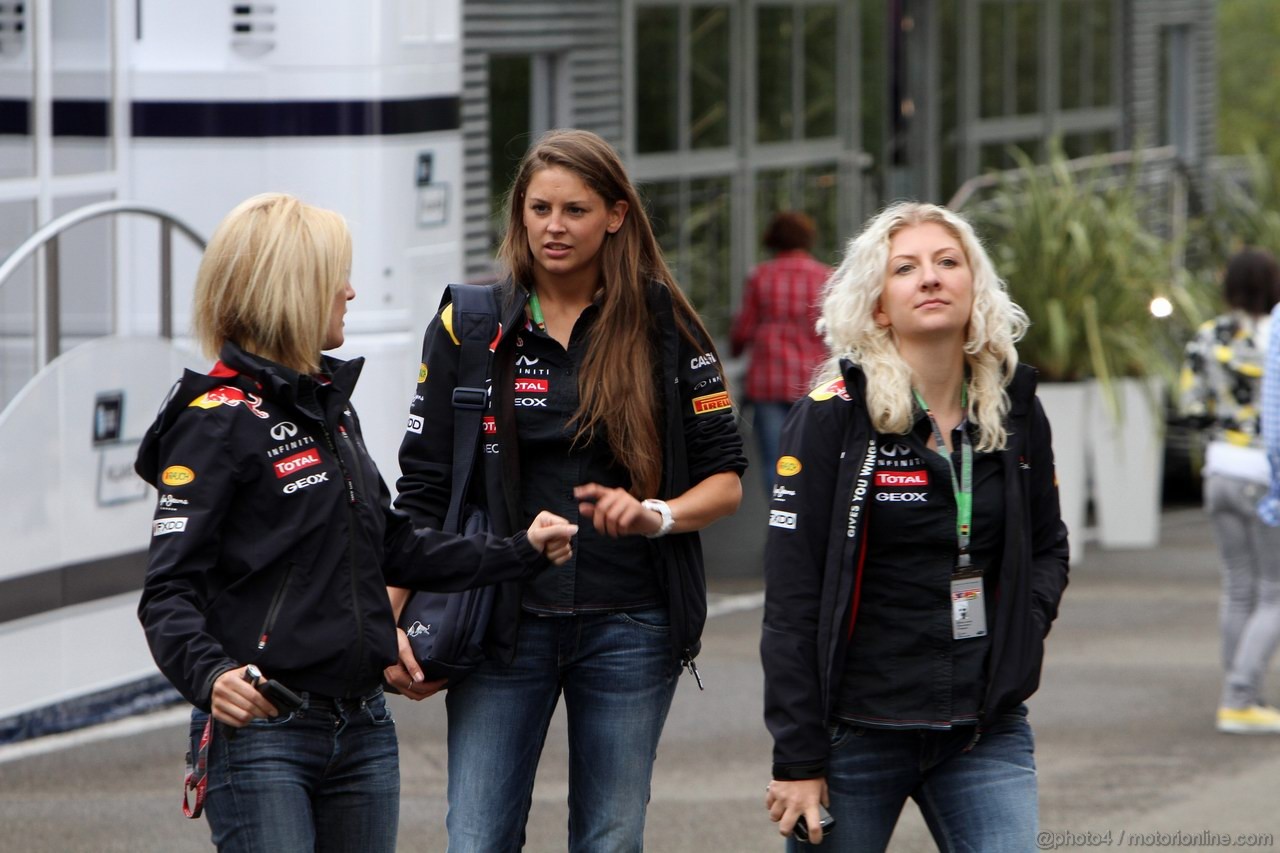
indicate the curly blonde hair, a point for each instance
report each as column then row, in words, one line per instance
column 847, row 324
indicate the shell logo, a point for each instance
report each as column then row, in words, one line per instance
column 788, row 466
column 177, row 475
column 422, row 373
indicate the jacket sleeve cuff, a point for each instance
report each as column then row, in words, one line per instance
column 206, row 690
column 795, row 772
column 534, row 560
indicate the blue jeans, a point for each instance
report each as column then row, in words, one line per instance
column 980, row 801
column 618, row 678
column 767, row 423
column 313, row 780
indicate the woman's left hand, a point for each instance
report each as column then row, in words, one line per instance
column 615, row 512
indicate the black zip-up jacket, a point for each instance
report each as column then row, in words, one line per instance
column 813, row 566
column 699, row 438
column 274, row 539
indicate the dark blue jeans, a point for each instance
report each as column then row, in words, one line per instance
column 767, row 423
column 313, row 780
column 617, row 676
column 980, row 801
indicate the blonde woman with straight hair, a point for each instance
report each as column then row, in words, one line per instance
column 608, row 405
column 273, row 541
column 915, row 556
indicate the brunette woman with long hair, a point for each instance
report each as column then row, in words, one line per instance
column 608, row 403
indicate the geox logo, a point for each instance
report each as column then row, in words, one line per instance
column 417, row 629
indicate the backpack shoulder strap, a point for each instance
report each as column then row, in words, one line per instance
column 477, row 328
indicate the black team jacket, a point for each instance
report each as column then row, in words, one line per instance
column 274, row 538
column 813, row 572
column 686, row 373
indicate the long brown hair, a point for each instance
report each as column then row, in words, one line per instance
column 614, row 387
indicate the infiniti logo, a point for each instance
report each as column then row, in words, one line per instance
column 284, row 430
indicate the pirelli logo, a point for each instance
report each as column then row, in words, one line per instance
column 709, row 403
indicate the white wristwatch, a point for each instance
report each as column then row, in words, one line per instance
column 661, row 508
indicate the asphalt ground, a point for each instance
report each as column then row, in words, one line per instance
column 1127, row 753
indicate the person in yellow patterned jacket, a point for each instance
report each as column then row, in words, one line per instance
column 1221, row 390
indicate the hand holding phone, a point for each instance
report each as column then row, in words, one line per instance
column 285, row 700
column 825, row 821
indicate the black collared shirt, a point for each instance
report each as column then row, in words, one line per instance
column 604, row 573
column 904, row 669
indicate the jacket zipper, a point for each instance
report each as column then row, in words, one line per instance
column 274, row 610
column 351, row 541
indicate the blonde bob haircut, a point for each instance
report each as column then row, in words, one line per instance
column 269, row 278
column 849, row 328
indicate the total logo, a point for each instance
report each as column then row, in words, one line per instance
column 165, row 526
column 297, row 485
column 902, row 478
column 415, row 424
column 283, row 430
column 532, row 386
column 295, row 463
column 488, row 425
column 902, row 497
column 785, row 520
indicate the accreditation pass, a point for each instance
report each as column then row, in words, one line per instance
column 968, row 606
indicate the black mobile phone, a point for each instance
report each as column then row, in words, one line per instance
column 825, row 820
column 285, row 700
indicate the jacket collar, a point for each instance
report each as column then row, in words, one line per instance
column 286, row 384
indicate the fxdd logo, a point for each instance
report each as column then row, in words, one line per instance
column 284, row 430
column 415, row 424
column 785, row 520
column 166, row 526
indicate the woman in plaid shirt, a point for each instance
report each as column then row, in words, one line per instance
column 779, row 310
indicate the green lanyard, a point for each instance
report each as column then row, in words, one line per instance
column 535, row 308
column 961, row 486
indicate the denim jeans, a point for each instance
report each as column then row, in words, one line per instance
column 618, row 678
column 1249, row 613
column 767, row 423
column 980, row 801
column 313, row 780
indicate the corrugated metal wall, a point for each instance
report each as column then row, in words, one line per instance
column 1146, row 19
column 587, row 37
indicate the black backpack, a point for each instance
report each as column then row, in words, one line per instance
column 447, row 629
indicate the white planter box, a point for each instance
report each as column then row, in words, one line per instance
column 1127, row 463
column 1066, row 405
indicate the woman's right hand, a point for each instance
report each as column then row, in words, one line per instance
column 787, row 800
column 236, row 702
column 551, row 535
column 406, row 675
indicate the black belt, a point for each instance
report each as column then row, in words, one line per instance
column 334, row 704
